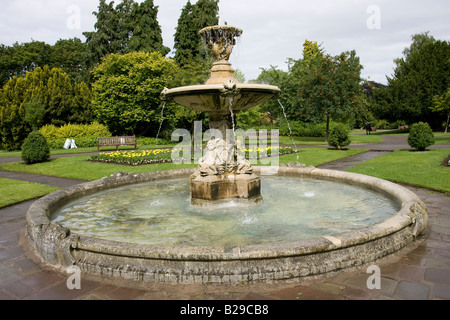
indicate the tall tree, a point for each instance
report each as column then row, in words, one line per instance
column 441, row 105
column 126, row 91
column 18, row 59
column 423, row 72
column 44, row 90
column 329, row 87
column 193, row 18
column 125, row 28
column 146, row 34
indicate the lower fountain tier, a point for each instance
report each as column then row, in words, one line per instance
column 214, row 188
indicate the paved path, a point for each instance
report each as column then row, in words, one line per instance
column 421, row 271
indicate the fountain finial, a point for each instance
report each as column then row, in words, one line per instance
column 220, row 40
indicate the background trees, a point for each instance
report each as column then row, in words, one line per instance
column 420, row 75
column 42, row 97
column 126, row 91
column 318, row 87
column 125, row 28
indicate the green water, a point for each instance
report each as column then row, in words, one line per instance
column 160, row 213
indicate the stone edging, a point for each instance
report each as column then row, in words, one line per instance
column 58, row 246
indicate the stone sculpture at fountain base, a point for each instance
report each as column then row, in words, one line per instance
column 206, row 190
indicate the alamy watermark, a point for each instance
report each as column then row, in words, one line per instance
column 374, row 280
column 73, row 22
column 74, row 280
column 373, row 22
column 258, row 146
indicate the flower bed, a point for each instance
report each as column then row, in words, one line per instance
column 141, row 157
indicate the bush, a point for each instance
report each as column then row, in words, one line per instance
column 74, row 131
column 420, row 136
column 339, row 136
column 35, row 149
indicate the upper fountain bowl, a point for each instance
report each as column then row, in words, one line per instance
column 219, row 97
column 222, row 91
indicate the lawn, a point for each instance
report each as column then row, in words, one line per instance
column 412, row 167
column 78, row 167
column 14, row 191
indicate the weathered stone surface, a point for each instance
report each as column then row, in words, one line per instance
column 58, row 246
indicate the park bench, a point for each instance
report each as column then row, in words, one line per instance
column 255, row 134
column 116, row 141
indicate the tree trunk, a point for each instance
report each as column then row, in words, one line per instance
column 327, row 132
column 448, row 122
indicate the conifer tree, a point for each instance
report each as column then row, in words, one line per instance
column 188, row 43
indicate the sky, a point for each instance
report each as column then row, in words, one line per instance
column 273, row 31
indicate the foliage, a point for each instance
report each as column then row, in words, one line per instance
column 136, row 158
column 318, row 87
column 422, row 73
column 85, row 135
column 125, row 28
column 127, row 92
column 193, row 18
column 35, row 148
column 420, row 136
column 305, row 129
column 68, row 55
column 74, row 131
column 23, row 98
column 329, row 86
column 441, row 104
column 339, row 136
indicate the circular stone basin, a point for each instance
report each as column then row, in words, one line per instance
column 269, row 241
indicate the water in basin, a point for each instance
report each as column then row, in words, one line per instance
column 160, row 213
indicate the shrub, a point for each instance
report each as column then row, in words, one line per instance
column 420, row 136
column 35, row 148
column 74, row 131
column 339, row 136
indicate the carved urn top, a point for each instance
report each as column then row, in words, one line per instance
column 220, row 40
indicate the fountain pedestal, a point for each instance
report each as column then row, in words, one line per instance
column 237, row 187
column 223, row 172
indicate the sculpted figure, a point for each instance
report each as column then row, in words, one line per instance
column 243, row 166
column 212, row 163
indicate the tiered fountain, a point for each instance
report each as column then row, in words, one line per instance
column 223, row 173
column 270, row 240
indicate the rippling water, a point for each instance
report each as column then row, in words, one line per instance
column 160, row 213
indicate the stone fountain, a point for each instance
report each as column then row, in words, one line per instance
column 223, row 173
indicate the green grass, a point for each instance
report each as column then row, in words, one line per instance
column 318, row 156
column 411, row 167
column 355, row 136
column 78, row 167
column 14, row 191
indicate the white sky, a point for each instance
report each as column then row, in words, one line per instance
column 379, row 30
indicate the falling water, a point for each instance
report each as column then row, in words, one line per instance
column 232, row 114
column 160, row 125
column 289, row 126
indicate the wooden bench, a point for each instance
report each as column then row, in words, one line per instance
column 255, row 134
column 116, row 141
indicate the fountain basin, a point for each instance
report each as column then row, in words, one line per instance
column 218, row 98
column 60, row 247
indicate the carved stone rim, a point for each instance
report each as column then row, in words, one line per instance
column 412, row 214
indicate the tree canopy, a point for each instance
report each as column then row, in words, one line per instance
column 126, row 92
column 44, row 90
column 318, row 87
column 420, row 75
column 124, row 28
